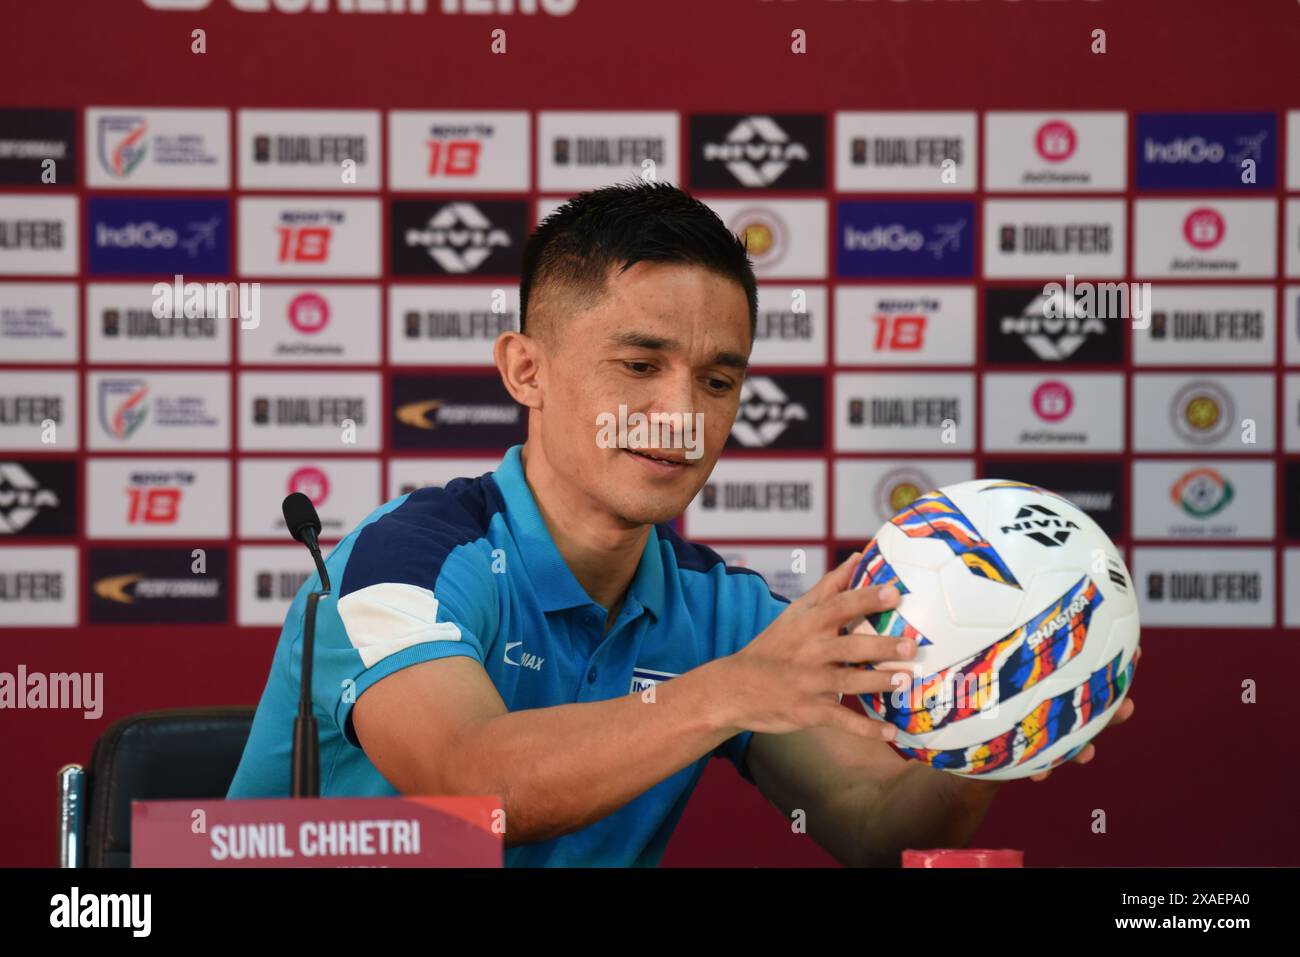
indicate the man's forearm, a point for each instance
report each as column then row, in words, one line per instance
column 921, row 808
column 561, row 768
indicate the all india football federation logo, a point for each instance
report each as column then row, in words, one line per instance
column 122, row 144
column 123, row 406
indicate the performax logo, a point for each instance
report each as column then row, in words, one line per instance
column 553, row 8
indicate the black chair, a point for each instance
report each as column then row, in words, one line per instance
column 155, row 756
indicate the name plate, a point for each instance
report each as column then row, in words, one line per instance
column 319, row 832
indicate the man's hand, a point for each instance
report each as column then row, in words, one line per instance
column 1122, row 714
column 792, row 675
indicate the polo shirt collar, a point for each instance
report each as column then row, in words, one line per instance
column 553, row 582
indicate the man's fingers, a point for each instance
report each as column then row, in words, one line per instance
column 852, row 680
column 838, row 610
column 1123, row 712
column 846, row 719
column 836, row 580
column 868, row 649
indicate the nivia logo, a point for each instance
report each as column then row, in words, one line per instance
column 1018, row 328
column 148, row 236
column 1206, row 150
column 22, row 498
column 765, row 413
column 758, row 151
column 1040, row 523
column 457, row 238
column 905, row 239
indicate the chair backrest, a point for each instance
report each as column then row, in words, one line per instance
column 157, row 756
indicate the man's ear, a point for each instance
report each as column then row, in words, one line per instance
column 519, row 359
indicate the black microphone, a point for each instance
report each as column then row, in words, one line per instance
column 304, row 525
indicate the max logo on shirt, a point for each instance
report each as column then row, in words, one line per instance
column 643, row 678
column 525, row 660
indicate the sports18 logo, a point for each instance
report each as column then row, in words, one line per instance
column 901, row 333
column 304, row 244
column 453, row 158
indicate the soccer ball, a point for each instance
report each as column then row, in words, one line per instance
column 1026, row 622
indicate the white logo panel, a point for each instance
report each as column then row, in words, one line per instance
column 898, row 412
column 458, row 151
column 158, row 498
column 1205, row 588
column 754, row 499
column 329, row 412
column 449, row 324
column 1083, row 412
column 309, row 149
column 38, row 322
column 1028, row 239
column 1205, row 237
column 38, row 587
column 1202, row 499
column 39, row 236
column 1057, row 152
column 322, row 324
column 344, row 492
column 581, row 151
column 905, row 152
column 869, row 492
column 1203, row 412
column 904, row 325
column 38, row 411
column 311, row 236
column 121, row 326
column 130, row 148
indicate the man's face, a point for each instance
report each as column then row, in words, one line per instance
column 667, row 338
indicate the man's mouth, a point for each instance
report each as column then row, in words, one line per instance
column 662, row 461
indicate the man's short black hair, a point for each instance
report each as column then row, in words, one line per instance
column 621, row 225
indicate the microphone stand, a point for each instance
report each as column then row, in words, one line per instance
column 306, row 738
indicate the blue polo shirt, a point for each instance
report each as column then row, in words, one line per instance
column 471, row 569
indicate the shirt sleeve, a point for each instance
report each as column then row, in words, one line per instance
column 410, row 593
column 755, row 607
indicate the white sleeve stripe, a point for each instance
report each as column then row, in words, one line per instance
column 383, row 619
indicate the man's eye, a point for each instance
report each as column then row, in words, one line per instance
column 721, row 385
column 638, row 367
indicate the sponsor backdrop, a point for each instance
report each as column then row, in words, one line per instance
column 907, row 189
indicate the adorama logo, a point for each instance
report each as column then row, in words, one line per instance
column 1053, row 401
column 309, row 313
column 1204, row 228
column 312, row 482
column 453, row 157
column 1055, row 141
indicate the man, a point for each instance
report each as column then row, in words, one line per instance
column 539, row 633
